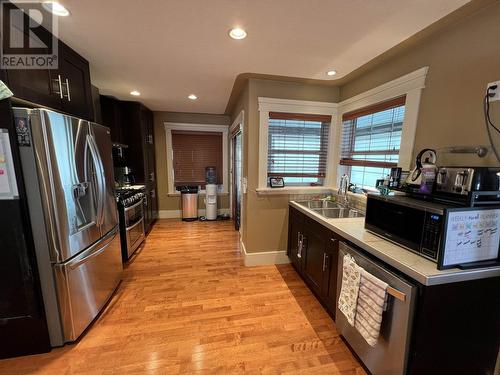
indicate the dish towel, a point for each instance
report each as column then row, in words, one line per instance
column 351, row 278
column 372, row 301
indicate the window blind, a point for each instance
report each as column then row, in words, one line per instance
column 297, row 147
column 372, row 135
column 192, row 153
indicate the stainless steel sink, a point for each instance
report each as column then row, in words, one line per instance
column 315, row 204
column 338, row 213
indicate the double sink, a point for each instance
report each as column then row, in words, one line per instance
column 331, row 210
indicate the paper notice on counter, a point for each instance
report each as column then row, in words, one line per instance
column 472, row 236
column 8, row 185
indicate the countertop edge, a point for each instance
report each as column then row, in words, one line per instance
column 448, row 276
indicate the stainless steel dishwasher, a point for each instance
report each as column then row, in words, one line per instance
column 390, row 354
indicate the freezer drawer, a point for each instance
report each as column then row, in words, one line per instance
column 390, row 355
column 86, row 282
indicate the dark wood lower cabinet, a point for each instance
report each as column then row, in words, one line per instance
column 313, row 250
column 295, row 229
column 456, row 327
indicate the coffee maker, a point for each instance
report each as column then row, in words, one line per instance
column 124, row 175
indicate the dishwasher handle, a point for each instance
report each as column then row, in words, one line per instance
column 391, row 290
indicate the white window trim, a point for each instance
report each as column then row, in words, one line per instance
column 169, row 126
column 410, row 85
column 267, row 105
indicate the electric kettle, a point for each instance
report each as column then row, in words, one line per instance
column 424, row 173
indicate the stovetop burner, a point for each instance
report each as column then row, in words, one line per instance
column 127, row 196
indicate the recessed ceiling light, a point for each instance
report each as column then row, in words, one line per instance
column 237, row 33
column 135, row 93
column 331, row 72
column 55, row 8
column 192, row 97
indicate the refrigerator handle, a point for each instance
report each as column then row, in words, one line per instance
column 100, row 178
column 92, row 253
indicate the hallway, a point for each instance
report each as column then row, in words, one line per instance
column 188, row 305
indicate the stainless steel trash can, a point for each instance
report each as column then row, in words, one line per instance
column 189, row 203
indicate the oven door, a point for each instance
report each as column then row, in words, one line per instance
column 135, row 235
column 133, row 214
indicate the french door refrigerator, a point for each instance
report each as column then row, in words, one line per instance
column 68, row 172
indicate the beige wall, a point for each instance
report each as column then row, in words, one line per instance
column 166, row 202
column 462, row 58
column 265, row 221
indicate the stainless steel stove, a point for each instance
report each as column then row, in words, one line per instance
column 131, row 214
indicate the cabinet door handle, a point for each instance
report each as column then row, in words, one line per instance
column 333, row 240
column 325, row 259
column 59, row 84
column 299, row 245
column 67, row 89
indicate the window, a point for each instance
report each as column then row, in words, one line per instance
column 297, row 148
column 371, row 141
column 193, row 151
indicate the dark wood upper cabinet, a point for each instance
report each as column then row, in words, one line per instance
column 74, row 74
column 111, row 116
column 33, row 85
column 65, row 89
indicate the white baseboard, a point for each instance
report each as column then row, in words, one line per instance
column 176, row 214
column 169, row 214
column 265, row 258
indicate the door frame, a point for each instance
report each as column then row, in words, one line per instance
column 238, row 126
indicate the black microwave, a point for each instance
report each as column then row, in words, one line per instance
column 448, row 235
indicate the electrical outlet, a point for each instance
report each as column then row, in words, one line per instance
column 497, row 91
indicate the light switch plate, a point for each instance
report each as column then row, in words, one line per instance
column 244, row 184
column 497, row 91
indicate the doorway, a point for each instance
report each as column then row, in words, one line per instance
column 236, row 182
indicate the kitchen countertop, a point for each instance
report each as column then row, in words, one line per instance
column 418, row 268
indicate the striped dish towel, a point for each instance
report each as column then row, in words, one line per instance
column 371, row 303
column 351, row 277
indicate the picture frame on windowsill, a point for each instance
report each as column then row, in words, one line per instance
column 276, row 182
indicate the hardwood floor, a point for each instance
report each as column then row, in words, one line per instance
column 188, row 305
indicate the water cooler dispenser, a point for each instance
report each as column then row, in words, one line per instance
column 211, row 193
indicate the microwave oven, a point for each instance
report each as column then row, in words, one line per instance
column 448, row 235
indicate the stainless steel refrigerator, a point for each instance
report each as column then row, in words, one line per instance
column 68, row 171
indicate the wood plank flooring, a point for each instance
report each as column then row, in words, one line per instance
column 188, row 305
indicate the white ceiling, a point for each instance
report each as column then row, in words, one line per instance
column 168, row 49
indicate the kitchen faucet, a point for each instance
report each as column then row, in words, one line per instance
column 344, row 188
